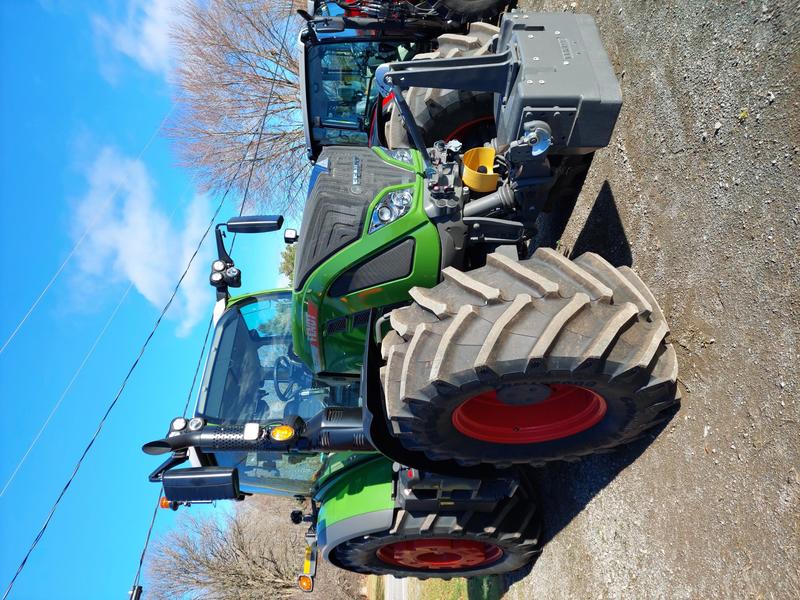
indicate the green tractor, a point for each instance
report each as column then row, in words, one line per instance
column 429, row 352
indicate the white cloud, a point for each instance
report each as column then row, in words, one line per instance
column 130, row 239
column 143, row 35
column 196, row 290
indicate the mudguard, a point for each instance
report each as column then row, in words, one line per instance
column 376, row 421
column 358, row 502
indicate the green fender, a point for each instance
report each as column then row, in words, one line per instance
column 357, row 502
column 313, row 307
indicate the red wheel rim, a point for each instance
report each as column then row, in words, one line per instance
column 569, row 409
column 438, row 554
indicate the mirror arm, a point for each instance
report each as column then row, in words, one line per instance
column 178, row 458
column 222, row 253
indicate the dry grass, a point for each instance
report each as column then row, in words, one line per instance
column 475, row 588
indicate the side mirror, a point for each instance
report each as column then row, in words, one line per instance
column 156, row 448
column 201, row 484
column 255, row 224
column 290, row 236
column 223, row 272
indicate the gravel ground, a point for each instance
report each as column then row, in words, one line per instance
column 700, row 192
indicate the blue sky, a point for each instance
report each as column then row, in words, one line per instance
column 84, row 87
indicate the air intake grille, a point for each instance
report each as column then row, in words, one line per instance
column 391, row 264
column 336, row 325
column 334, row 414
column 361, row 319
column 360, row 442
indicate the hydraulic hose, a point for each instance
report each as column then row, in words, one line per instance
column 502, row 198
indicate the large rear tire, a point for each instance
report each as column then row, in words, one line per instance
column 528, row 361
column 451, row 543
column 449, row 114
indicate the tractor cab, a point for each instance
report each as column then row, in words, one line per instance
column 253, row 376
column 263, row 423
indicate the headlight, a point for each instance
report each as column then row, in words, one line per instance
column 401, row 154
column 391, row 207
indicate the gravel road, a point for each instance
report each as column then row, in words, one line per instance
column 700, row 192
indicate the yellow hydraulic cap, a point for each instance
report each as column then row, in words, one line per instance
column 474, row 159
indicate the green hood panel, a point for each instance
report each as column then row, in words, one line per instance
column 329, row 330
column 343, row 182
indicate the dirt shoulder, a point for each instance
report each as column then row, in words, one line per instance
column 700, row 192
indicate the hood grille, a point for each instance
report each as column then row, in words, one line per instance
column 337, row 205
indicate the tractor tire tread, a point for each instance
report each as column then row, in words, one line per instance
column 479, row 329
column 428, row 105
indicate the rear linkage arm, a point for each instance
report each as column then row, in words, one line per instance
column 556, row 94
column 488, row 73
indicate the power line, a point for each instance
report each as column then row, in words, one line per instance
column 138, row 358
column 147, row 538
column 67, row 389
column 80, row 241
column 75, row 375
column 197, row 367
column 124, row 382
column 258, row 145
column 161, row 489
column 211, row 320
column 266, row 112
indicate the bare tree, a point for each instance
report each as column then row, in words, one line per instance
column 237, row 69
column 252, row 554
column 286, row 267
column 225, row 558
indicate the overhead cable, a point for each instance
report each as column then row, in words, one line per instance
column 80, row 241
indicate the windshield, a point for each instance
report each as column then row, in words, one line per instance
column 254, row 376
column 279, row 473
column 342, row 87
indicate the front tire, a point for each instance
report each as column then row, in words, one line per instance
column 450, row 543
column 525, row 362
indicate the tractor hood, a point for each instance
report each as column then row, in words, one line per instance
column 348, row 261
column 345, row 183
